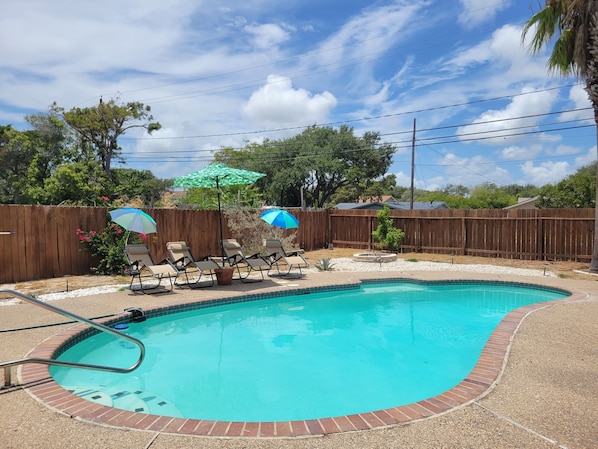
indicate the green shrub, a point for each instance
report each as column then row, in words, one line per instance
column 324, row 265
column 108, row 247
column 386, row 234
column 394, row 239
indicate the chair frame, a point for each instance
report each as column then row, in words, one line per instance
column 236, row 258
column 190, row 267
column 142, row 267
column 277, row 256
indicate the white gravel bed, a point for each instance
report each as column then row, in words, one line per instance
column 338, row 264
column 70, row 294
column 347, row 264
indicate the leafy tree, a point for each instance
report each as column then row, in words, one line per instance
column 452, row 200
column 315, row 164
column 399, row 191
column 128, row 183
column 369, row 189
column 79, row 183
column 53, row 144
column 418, row 195
column 576, row 190
column 456, row 190
column 571, row 26
column 483, row 196
column 490, row 196
column 99, row 127
column 517, row 191
column 16, row 153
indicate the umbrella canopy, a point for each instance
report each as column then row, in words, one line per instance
column 218, row 175
column 280, row 218
column 134, row 220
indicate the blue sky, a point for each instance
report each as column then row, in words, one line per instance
column 224, row 73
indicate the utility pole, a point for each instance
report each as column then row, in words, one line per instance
column 412, row 164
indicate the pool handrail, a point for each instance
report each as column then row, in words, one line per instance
column 7, row 365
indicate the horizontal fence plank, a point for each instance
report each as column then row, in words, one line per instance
column 40, row 242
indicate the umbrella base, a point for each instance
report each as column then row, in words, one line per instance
column 224, row 276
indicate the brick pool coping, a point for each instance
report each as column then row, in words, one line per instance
column 479, row 382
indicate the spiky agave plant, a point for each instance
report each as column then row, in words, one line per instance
column 324, row 265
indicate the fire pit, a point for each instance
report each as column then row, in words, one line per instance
column 374, row 257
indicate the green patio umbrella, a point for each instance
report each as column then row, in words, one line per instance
column 218, row 175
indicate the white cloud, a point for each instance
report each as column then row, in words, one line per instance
column 546, row 172
column 403, row 179
column 476, row 12
column 579, row 100
column 521, row 152
column 503, row 53
column 201, row 67
column 268, row 35
column 563, row 150
column 587, row 158
column 471, row 171
column 366, row 35
column 278, row 103
column 496, row 126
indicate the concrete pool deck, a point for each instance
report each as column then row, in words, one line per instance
column 546, row 396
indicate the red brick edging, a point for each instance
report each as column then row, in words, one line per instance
column 479, row 381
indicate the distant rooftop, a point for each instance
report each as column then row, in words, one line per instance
column 401, row 205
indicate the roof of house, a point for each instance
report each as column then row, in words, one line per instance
column 402, row 205
column 383, row 199
column 524, row 203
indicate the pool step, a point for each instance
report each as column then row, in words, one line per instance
column 138, row 401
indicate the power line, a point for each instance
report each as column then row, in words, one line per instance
column 377, row 117
column 433, row 140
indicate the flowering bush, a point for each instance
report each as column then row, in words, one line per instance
column 108, row 246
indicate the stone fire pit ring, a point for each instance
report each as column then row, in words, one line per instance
column 374, row 257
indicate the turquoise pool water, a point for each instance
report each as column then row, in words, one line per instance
column 307, row 356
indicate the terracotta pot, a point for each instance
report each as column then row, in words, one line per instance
column 224, row 276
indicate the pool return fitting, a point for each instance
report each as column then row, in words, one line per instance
column 100, row 327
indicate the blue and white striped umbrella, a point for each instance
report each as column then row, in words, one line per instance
column 134, row 220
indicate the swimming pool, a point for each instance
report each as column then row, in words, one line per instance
column 307, row 356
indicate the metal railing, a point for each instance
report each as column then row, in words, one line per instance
column 8, row 365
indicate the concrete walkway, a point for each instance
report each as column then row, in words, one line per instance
column 546, row 397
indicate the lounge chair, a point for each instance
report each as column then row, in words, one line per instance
column 291, row 263
column 245, row 265
column 191, row 269
column 143, row 269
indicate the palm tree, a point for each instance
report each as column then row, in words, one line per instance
column 574, row 25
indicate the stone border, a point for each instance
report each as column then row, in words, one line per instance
column 478, row 383
column 374, row 257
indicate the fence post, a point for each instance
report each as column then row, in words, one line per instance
column 463, row 236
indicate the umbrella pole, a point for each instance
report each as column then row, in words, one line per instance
column 220, row 220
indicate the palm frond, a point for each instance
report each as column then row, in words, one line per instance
column 546, row 23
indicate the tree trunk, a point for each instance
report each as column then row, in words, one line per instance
column 592, row 90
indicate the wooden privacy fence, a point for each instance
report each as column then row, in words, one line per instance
column 38, row 242
column 533, row 234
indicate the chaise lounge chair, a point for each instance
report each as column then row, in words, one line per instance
column 193, row 270
column 144, row 270
column 245, row 265
column 279, row 258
